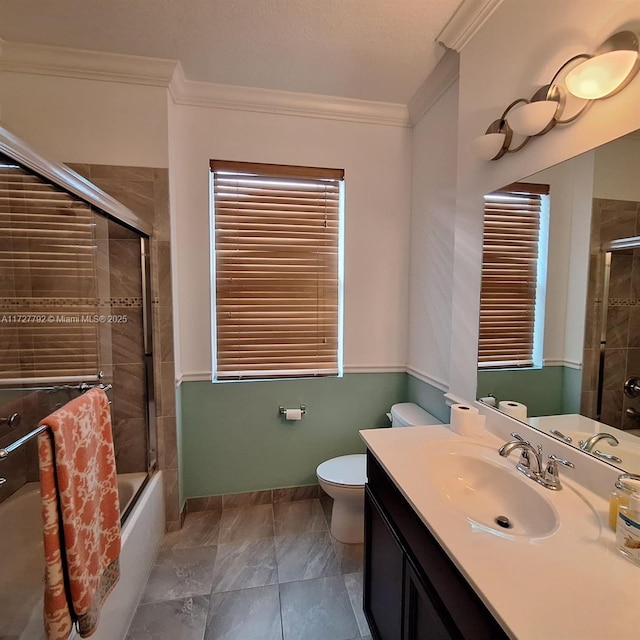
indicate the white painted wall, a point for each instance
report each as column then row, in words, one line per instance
column 617, row 170
column 377, row 164
column 516, row 51
column 570, row 187
column 433, row 192
column 79, row 120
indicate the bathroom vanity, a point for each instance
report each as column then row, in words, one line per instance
column 412, row 589
column 439, row 565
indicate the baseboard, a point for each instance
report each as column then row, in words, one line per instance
column 268, row 496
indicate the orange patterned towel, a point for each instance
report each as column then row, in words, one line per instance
column 80, row 512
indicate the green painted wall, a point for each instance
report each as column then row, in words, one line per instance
column 182, row 496
column 571, row 390
column 547, row 391
column 428, row 397
column 234, row 440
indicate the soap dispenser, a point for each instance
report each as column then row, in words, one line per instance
column 626, row 484
column 628, row 529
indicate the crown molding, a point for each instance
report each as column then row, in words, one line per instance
column 158, row 72
column 290, row 103
column 61, row 62
column 433, row 88
column 464, row 23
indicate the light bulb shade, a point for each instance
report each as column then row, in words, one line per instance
column 532, row 118
column 611, row 68
column 489, row 146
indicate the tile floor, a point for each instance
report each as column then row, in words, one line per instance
column 258, row 572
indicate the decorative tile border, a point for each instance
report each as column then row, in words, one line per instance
column 90, row 303
column 624, row 302
column 620, row 302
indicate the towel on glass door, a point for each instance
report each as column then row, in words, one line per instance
column 80, row 512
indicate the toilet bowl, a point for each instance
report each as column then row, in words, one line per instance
column 343, row 478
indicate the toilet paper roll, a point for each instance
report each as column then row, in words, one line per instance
column 490, row 400
column 514, row 409
column 293, row 414
column 465, row 420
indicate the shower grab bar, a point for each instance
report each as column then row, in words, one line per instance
column 20, row 441
column 16, row 444
column 49, row 380
column 82, row 387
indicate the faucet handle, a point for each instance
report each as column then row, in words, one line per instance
column 564, row 461
column 551, row 475
column 518, row 437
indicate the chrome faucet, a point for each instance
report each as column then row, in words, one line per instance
column 588, row 444
column 528, row 453
column 547, row 477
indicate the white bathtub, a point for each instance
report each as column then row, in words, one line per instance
column 21, row 578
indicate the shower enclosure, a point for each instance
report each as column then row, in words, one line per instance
column 612, row 336
column 75, row 311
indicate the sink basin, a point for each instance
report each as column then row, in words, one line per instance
column 488, row 493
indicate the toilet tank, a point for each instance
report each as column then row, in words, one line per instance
column 407, row 414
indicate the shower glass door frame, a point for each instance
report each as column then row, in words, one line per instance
column 621, row 244
column 103, row 204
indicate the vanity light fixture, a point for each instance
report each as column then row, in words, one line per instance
column 494, row 143
column 546, row 107
column 580, row 80
column 497, row 139
column 609, row 70
column 536, row 116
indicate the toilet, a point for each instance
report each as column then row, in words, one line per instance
column 343, row 478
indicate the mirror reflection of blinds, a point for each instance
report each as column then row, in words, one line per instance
column 509, row 275
column 276, row 264
column 47, row 258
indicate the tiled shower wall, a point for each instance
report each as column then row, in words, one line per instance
column 146, row 192
column 613, row 219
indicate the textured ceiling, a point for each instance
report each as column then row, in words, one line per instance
column 368, row 49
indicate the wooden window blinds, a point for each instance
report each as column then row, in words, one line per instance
column 48, row 264
column 509, row 275
column 277, row 289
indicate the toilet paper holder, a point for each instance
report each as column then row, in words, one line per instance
column 283, row 411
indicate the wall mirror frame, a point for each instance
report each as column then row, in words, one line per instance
column 587, row 380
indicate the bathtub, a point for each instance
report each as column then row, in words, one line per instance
column 21, row 578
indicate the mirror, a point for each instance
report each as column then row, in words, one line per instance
column 590, row 328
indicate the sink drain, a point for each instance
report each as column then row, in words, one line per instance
column 504, row 522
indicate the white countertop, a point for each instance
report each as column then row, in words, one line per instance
column 570, row 584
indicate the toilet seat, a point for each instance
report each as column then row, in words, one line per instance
column 344, row 471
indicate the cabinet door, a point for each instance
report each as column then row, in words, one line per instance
column 383, row 574
column 422, row 618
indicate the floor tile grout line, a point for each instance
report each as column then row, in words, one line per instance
column 280, row 610
column 355, row 613
column 215, row 543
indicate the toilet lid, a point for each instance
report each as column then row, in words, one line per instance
column 347, row 470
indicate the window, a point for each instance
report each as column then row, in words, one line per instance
column 277, row 270
column 513, row 276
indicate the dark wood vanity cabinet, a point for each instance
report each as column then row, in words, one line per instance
column 412, row 590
